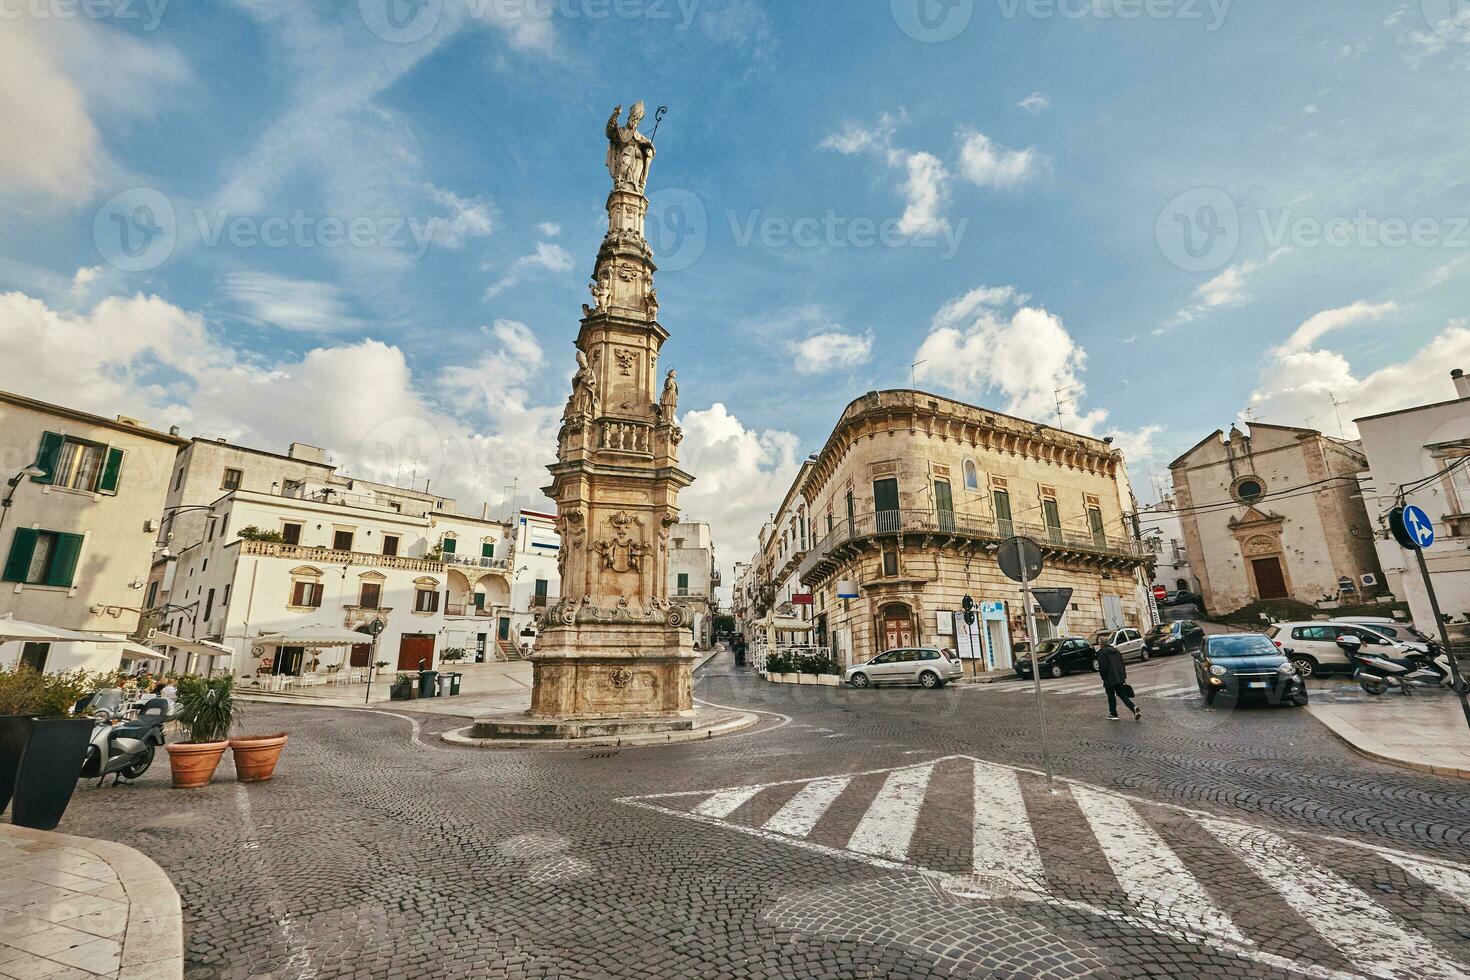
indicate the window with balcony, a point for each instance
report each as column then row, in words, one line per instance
column 342, row 540
column 487, row 549
column 450, row 544
column 291, row 533
column 1003, row 525
column 885, row 504
column 1051, row 516
column 683, row 583
column 1095, row 523
column 390, row 544
column 944, row 505
column 538, row 599
column 370, row 595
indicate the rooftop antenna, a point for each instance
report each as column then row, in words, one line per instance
column 1249, row 413
column 513, row 486
column 914, row 373
column 1063, row 401
column 1337, row 409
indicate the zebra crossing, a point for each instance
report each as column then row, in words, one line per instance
column 1068, row 848
column 1157, row 683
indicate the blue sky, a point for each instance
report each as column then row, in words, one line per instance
column 370, row 225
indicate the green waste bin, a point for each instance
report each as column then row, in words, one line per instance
column 454, row 683
column 428, row 683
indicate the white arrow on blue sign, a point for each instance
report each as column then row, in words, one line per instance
column 1419, row 526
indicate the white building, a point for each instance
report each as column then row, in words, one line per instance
column 1424, row 450
column 1162, row 533
column 693, row 577
column 83, row 497
column 260, row 543
column 537, row 573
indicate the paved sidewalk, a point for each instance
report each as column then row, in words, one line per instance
column 485, row 689
column 1427, row 733
column 74, row 907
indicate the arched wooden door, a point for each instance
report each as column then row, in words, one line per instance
column 897, row 626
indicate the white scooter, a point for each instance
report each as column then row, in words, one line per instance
column 1377, row 672
column 126, row 749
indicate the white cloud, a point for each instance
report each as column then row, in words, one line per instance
column 548, row 257
column 549, row 229
column 51, row 145
column 464, row 219
column 855, row 138
column 291, row 304
column 740, row 474
column 986, row 163
column 1225, row 290
column 1034, row 103
column 1444, row 273
column 1309, row 109
column 82, row 281
column 925, row 189
column 832, row 350
column 1315, row 326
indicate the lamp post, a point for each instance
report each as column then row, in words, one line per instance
column 14, row 484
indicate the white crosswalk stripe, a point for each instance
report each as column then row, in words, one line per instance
column 1003, row 844
column 1367, row 933
column 802, row 811
column 888, row 827
column 1151, row 874
column 1141, row 864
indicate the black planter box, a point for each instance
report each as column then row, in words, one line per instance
column 49, row 770
column 15, row 732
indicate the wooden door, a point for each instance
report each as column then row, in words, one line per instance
column 415, row 648
column 360, row 654
column 898, row 630
column 1270, row 582
column 885, row 504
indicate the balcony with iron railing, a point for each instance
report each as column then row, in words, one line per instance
column 456, row 609
column 823, row 558
column 331, row 556
column 476, row 561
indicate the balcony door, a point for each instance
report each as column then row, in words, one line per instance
column 944, row 505
column 1003, row 525
column 885, row 504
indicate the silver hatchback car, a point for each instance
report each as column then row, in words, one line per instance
column 925, row 666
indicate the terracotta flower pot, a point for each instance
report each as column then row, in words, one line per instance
column 194, row 763
column 256, row 756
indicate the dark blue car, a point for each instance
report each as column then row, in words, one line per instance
column 1246, row 665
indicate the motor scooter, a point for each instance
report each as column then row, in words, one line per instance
column 1376, row 672
column 125, row 749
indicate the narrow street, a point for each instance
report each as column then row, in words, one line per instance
column 854, row 834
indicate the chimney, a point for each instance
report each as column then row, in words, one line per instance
column 1462, row 383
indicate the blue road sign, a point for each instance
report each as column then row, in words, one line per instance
column 1420, row 528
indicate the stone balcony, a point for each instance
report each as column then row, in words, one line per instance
column 848, row 539
column 475, row 561
column 330, row 556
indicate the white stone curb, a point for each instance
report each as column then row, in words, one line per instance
column 739, row 723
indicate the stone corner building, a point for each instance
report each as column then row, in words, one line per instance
column 1275, row 514
column 907, row 502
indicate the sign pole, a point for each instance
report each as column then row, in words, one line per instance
column 1035, row 665
column 1444, row 635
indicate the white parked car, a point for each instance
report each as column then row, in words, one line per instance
column 1312, row 647
column 1128, row 640
column 1395, row 630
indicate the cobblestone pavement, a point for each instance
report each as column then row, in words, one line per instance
column 874, row 833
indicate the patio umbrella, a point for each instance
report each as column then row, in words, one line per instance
column 14, row 630
column 315, row 637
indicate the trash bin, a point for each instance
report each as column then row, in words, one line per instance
column 454, row 682
column 428, row 681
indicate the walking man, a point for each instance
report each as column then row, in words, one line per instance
column 1115, row 681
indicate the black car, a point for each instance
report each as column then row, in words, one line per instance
column 1246, row 665
column 1169, row 638
column 1060, row 656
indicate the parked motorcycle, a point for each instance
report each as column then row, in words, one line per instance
column 126, row 749
column 1376, row 672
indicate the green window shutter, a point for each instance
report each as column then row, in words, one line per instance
column 64, row 561
column 111, row 471
column 449, row 546
column 48, row 456
column 487, row 550
column 22, row 547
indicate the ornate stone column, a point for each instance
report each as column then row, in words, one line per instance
column 614, row 654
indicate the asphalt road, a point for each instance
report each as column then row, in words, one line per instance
column 873, row 833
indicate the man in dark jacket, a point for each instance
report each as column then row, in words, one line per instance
column 1115, row 679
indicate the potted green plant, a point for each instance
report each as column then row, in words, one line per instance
column 378, row 667
column 20, row 692
column 453, row 654
column 404, row 688
column 51, row 760
column 209, row 710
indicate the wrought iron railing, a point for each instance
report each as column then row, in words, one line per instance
column 476, row 561
column 331, row 556
column 950, row 522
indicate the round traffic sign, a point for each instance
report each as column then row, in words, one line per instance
column 1016, row 553
column 1411, row 527
column 1160, row 592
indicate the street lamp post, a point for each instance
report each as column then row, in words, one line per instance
column 14, row 484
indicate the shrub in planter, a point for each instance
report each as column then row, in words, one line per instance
column 52, row 756
column 209, row 710
column 403, row 689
